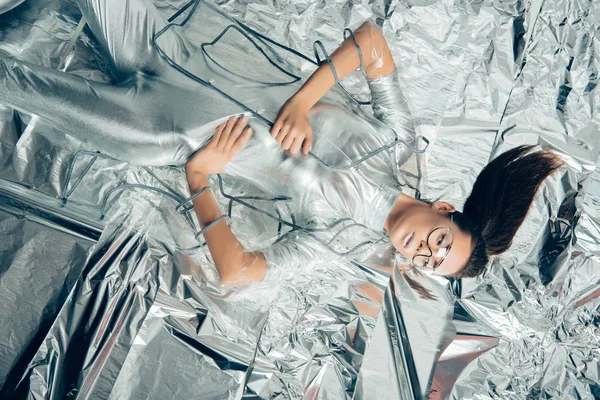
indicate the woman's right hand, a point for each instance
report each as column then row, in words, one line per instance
column 292, row 128
column 229, row 139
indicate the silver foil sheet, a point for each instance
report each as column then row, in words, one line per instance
column 119, row 307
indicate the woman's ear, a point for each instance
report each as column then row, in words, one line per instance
column 443, row 206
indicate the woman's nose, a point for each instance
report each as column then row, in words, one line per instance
column 422, row 246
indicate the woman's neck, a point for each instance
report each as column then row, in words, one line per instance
column 400, row 205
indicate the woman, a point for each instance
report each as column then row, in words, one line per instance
column 131, row 122
column 434, row 236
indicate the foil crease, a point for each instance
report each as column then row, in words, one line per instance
column 118, row 308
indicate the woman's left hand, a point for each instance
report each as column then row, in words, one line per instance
column 229, row 139
column 292, row 128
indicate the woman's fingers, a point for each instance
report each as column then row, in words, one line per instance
column 282, row 134
column 217, row 136
column 307, row 145
column 289, row 139
column 280, row 122
column 231, row 136
column 296, row 144
column 235, row 132
column 241, row 141
column 276, row 127
column 226, row 132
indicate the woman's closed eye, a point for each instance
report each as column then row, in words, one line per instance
column 441, row 239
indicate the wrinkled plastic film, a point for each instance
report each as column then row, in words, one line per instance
column 373, row 58
column 371, row 39
column 390, row 106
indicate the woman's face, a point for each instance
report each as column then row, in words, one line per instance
column 413, row 222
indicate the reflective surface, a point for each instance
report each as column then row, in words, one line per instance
column 7, row 5
column 135, row 316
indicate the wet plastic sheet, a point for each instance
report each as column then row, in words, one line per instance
column 147, row 320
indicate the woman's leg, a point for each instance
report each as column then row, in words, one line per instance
column 125, row 28
column 131, row 125
column 144, row 121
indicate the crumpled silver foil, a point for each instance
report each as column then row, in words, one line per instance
column 117, row 307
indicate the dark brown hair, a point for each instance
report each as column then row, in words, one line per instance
column 499, row 202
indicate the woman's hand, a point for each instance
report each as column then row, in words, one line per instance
column 229, row 139
column 292, row 128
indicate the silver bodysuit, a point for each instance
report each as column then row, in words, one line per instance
column 159, row 115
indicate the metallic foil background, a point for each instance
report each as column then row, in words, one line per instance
column 117, row 308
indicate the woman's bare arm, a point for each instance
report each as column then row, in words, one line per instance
column 292, row 128
column 235, row 265
column 377, row 58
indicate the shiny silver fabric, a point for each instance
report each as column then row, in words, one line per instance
column 147, row 319
column 128, row 121
column 7, row 5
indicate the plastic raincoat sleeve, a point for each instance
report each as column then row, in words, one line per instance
column 390, row 107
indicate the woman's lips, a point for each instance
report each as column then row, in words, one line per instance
column 408, row 239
